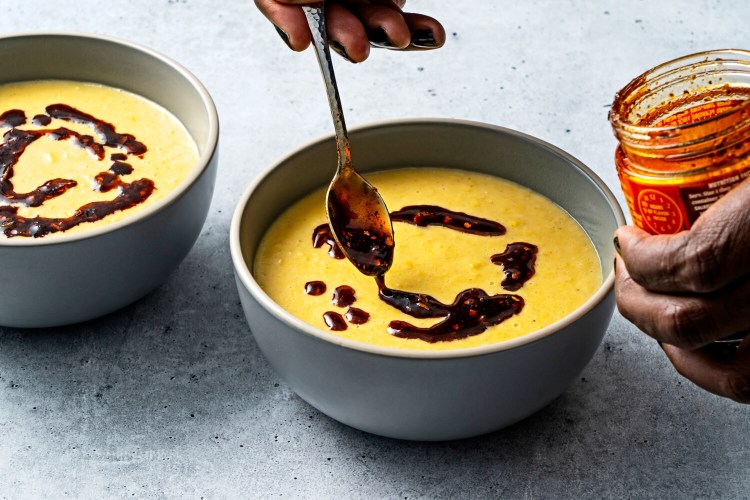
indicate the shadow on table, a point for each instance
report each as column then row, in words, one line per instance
column 627, row 428
column 178, row 373
column 181, row 354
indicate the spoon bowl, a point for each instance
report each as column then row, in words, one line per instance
column 357, row 214
column 360, row 222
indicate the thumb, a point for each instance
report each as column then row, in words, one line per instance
column 712, row 254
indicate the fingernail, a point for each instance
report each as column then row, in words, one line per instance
column 424, row 39
column 616, row 243
column 379, row 38
column 283, row 36
column 339, row 49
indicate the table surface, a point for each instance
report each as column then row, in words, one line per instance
column 171, row 397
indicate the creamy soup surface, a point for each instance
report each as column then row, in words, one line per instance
column 434, row 260
column 156, row 155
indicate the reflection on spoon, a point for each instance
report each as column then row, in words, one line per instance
column 356, row 212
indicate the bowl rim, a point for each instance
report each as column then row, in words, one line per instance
column 245, row 276
column 201, row 165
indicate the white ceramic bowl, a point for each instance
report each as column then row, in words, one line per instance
column 422, row 395
column 72, row 278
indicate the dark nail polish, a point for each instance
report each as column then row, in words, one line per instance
column 616, row 243
column 283, row 36
column 424, row 39
column 379, row 38
column 339, row 49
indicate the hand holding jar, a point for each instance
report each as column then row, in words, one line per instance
column 683, row 275
column 355, row 25
column 692, row 288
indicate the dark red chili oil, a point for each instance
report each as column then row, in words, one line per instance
column 14, row 143
column 473, row 310
column 357, row 316
column 431, row 215
column 518, row 264
column 315, row 288
column 343, row 296
column 471, row 313
column 362, row 231
column 334, row 321
column 322, row 235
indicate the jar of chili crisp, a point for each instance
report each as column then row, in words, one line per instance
column 684, row 137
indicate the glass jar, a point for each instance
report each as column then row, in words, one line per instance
column 684, row 137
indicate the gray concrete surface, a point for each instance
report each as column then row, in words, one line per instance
column 171, row 397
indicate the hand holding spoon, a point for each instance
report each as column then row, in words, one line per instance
column 359, row 219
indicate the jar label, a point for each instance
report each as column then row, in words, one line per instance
column 668, row 209
column 699, row 113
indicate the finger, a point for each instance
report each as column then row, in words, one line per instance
column 289, row 21
column 722, row 371
column 426, row 32
column 385, row 25
column 712, row 254
column 688, row 320
column 346, row 33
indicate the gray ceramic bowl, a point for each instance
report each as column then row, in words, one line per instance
column 415, row 394
column 57, row 281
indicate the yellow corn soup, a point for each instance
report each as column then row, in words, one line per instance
column 435, row 260
column 171, row 154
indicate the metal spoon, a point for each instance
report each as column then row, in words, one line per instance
column 359, row 219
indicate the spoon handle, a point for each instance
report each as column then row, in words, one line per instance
column 316, row 19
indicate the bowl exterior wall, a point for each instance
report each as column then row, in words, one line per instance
column 55, row 285
column 427, row 399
